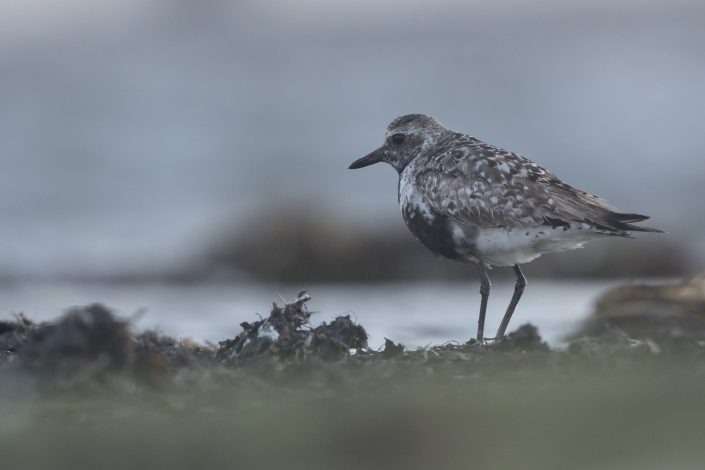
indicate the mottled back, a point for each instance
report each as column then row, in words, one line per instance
column 477, row 184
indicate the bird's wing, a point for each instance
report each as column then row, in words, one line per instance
column 486, row 186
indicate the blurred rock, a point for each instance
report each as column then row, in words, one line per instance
column 304, row 245
column 646, row 256
column 662, row 312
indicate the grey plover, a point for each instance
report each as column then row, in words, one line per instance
column 470, row 201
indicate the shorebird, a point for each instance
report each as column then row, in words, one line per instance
column 470, row 201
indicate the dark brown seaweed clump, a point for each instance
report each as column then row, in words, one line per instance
column 89, row 343
column 286, row 335
column 525, row 338
column 85, row 337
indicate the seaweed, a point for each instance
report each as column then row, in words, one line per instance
column 90, row 344
column 286, row 335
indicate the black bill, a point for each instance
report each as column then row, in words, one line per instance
column 367, row 160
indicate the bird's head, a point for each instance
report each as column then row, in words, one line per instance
column 407, row 137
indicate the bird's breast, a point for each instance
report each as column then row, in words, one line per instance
column 431, row 228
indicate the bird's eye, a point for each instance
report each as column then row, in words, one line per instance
column 398, row 138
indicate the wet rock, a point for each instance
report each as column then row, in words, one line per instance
column 665, row 313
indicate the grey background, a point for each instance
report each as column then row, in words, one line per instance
column 134, row 134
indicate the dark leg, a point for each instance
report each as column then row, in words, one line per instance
column 518, row 290
column 485, row 292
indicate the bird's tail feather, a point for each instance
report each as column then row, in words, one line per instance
column 621, row 221
column 622, row 217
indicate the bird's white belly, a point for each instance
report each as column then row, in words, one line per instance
column 510, row 246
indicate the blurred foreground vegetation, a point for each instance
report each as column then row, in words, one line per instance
column 614, row 414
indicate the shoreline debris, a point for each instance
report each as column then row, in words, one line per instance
column 286, row 335
column 92, row 344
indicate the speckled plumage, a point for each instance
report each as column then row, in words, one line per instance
column 467, row 200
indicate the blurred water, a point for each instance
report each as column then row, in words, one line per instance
column 133, row 136
column 415, row 314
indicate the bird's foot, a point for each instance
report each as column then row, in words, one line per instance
column 479, row 342
column 485, row 341
column 495, row 339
